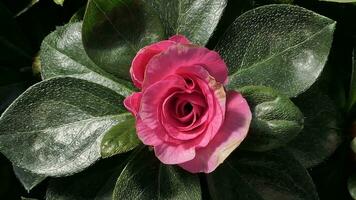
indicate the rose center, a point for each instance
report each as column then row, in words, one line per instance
column 188, row 108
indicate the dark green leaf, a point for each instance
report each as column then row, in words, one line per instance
column 59, row 2
column 195, row 19
column 353, row 145
column 78, row 16
column 340, row 1
column 28, row 179
column 352, row 97
column 95, row 183
column 281, row 46
column 29, row 4
column 55, row 128
column 275, row 119
column 8, row 93
column 321, row 134
column 351, row 185
column 145, row 178
column 261, row 176
column 120, row 139
column 62, row 54
column 330, row 177
column 114, row 31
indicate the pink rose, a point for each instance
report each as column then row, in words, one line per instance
column 142, row 58
column 183, row 110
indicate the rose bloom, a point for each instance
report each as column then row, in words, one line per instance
column 183, row 110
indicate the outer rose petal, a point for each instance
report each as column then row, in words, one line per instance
column 139, row 63
column 179, row 39
column 132, row 102
column 233, row 132
column 171, row 155
column 169, row 61
column 146, row 134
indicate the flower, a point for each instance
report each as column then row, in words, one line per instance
column 183, row 110
column 142, row 58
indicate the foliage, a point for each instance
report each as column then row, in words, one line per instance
column 68, row 136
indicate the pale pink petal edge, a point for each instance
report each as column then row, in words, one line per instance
column 233, row 132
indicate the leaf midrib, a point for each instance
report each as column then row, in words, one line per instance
column 256, row 65
column 68, row 124
column 113, row 25
column 101, row 73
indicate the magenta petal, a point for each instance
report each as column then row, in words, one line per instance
column 139, row 63
column 232, row 133
column 169, row 61
column 147, row 135
column 174, row 154
column 132, row 102
column 179, row 39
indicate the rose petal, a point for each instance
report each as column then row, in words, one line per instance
column 147, row 135
column 151, row 105
column 179, row 39
column 139, row 63
column 231, row 134
column 174, row 154
column 166, row 63
column 132, row 102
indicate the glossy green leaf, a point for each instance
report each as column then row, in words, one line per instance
column 55, row 128
column 321, row 134
column 275, row 119
column 145, row 178
column 59, row 2
column 120, row 139
column 8, row 93
column 195, row 19
column 351, row 185
column 115, row 30
column 62, row 54
column 95, row 183
column 28, row 179
column 261, row 176
column 280, row 46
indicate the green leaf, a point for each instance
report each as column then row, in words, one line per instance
column 95, row 183
column 353, row 145
column 351, row 185
column 114, row 31
column 261, row 176
column 29, row 4
column 78, row 16
column 145, row 178
column 352, row 94
column 28, row 179
column 8, row 93
column 62, row 54
column 120, row 139
column 55, row 128
column 195, row 19
column 340, row 1
column 275, row 119
column 281, row 46
column 322, row 133
column 59, row 2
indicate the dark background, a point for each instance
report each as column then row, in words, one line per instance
column 17, row 74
